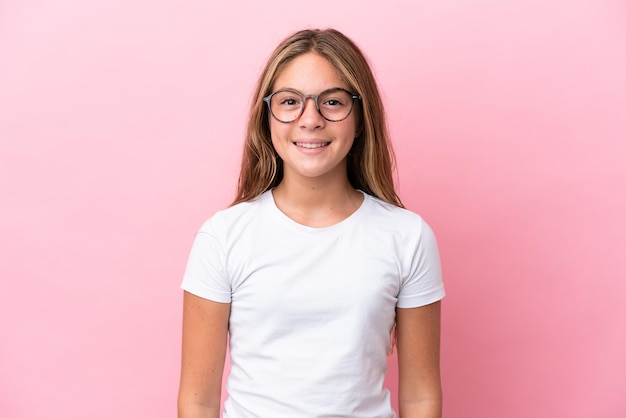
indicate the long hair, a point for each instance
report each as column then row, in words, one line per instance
column 370, row 162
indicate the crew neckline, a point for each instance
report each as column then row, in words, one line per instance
column 269, row 198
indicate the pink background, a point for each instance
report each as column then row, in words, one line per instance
column 121, row 127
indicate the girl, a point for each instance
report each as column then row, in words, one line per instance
column 315, row 262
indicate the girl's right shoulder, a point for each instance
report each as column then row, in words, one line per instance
column 233, row 217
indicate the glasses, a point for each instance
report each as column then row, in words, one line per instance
column 334, row 105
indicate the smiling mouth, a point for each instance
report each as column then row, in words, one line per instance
column 312, row 145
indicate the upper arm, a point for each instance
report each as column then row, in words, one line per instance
column 205, row 334
column 418, row 335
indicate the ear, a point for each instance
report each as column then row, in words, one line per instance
column 360, row 126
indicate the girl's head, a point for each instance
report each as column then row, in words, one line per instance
column 370, row 160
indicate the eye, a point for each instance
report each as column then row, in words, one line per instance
column 289, row 102
column 333, row 102
column 286, row 99
column 334, row 99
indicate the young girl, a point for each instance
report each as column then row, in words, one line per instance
column 315, row 262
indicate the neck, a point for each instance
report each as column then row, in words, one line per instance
column 316, row 203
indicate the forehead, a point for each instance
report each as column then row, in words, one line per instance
column 309, row 73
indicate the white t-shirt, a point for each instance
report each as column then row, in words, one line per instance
column 312, row 308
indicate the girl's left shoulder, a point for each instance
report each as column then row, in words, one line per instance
column 398, row 217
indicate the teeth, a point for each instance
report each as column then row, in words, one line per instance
column 309, row 145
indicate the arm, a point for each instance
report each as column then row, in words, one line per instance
column 418, row 332
column 205, row 330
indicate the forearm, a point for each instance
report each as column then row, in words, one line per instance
column 194, row 410
column 427, row 408
column 420, row 399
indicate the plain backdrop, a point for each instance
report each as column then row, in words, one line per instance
column 121, row 128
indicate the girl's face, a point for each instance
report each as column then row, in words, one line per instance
column 311, row 147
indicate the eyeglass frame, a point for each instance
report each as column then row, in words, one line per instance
column 267, row 99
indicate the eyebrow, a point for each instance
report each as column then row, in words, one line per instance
column 298, row 91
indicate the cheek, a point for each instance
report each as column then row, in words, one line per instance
column 277, row 133
column 351, row 128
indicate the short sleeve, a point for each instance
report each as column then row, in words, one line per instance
column 205, row 275
column 423, row 284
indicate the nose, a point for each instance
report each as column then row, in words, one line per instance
column 310, row 116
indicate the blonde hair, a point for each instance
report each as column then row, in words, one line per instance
column 370, row 161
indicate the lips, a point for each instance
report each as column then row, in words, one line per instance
column 312, row 145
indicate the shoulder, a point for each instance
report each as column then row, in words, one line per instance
column 395, row 217
column 234, row 217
